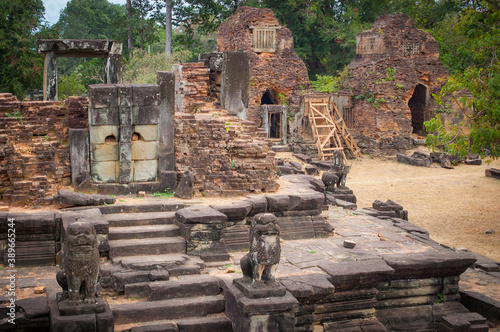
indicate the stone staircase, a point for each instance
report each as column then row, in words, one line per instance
column 163, row 288
column 188, row 303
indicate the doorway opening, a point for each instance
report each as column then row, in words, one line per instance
column 417, row 105
column 275, row 125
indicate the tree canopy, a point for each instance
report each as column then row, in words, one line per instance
column 21, row 24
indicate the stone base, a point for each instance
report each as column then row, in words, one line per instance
column 259, row 289
column 129, row 189
column 67, row 309
column 87, row 317
column 263, row 314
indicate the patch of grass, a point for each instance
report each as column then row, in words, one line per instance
column 165, row 194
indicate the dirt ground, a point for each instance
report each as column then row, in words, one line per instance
column 457, row 206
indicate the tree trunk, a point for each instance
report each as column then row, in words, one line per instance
column 168, row 28
column 130, row 35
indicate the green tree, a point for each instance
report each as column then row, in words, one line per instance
column 20, row 25
column 92, row 19
column 469, row 44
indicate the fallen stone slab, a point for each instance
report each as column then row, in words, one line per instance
column 322, row 165
column 311, row 170
column 66, row 198
column 416, row 159
column 345, row 204
column 305, row 158
column 492, row 173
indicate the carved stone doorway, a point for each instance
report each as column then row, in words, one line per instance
column 274, row 119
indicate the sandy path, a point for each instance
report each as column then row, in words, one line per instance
column 456, row 206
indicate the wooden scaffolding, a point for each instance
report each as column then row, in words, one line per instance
column 329, row 129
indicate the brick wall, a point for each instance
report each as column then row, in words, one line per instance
column 228, row 156
column 281, row 72
column 34, row 150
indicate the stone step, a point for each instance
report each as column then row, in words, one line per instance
column 184, row 286
column 142, row 232
column 149, row 262
column 212, row 323
column 151, row 246
column 145, row 311
column 139, row 219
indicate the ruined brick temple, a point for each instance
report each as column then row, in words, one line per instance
column 269, row 261
column 392, row 79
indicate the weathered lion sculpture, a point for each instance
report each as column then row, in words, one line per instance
column 264, row 255
column 80, row 263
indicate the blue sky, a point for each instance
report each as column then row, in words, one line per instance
column 54, row 7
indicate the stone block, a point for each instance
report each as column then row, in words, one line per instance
column 145, row 115
column 357, row 274
column 105, row 152
column 34, row 306
column 311, row 170
column 145, row 94
column 259, row 205
column 492, row 173
column 147, row 132
column 168, row 180
column 259, row 290
column 125, row 134
column 79, row 156
column 429, row 264
column 198, row 214
column 166, row 153
column 126, row 115
column 306, row 201
column 235, row 83
column 309, row 287
column 104, row 171
column 145, row 170
column 235, row 211
column 124, row 92
column 277, row 203
column 144, row 150
column 103, row 105
column 98, row 134
column 294, row 228
column 184, row 188
column 39, row 226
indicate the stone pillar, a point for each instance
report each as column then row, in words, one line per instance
column 113, row 64
column 79, row 156
column 125, row 141
column 201, row 227
column 235, row 83
column 50, row 76
column 166, row 151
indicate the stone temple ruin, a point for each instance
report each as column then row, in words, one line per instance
column 394, row 74
column 274, row 257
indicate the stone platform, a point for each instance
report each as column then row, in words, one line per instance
column 395, row 278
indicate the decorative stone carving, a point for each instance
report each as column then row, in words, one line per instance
column 265, row 250
column 337, row 174
column 80, row 264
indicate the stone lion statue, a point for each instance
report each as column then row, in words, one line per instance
column 337, row 174
column 80, row 263
column 264, row 255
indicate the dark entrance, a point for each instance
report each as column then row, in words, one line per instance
column 275, row 125
column 267, row 98
column 417, row 106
